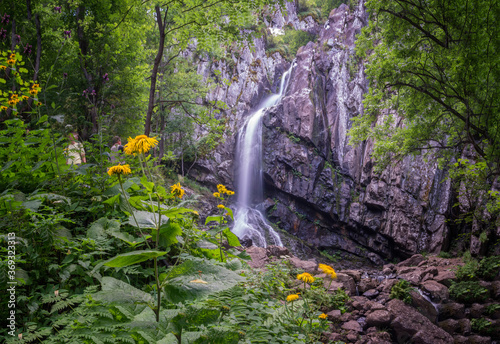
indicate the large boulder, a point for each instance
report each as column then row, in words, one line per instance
column 411, row 326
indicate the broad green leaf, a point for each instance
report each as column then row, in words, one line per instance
column 206, row 244
column 216, row 218
column 169, row 233
column 179, row 288
column 168, row 339
column 32, row 205
column 229, row 212
column 234, row 264
column 114, row 290
column 146, row 219
column 127, row 184
column 99, row 228
column 176, row 212
column 138, row 202
column 215, row 254
column 112, row 200
column 132, row 258
column 232, row 239
column 129, row 239
column 148, row 185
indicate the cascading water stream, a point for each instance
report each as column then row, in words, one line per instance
column 249, row 223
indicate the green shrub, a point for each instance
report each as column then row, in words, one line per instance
column 401, row 290
column 468, row 292
column 481, row 325
column 289, row 43
column 444, row 254
column 489, row 268
column 318, row 9
column 490, row 309
column 467, row 272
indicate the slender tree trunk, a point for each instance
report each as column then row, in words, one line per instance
column 154, row 72
column 162, row 135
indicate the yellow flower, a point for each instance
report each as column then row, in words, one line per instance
column 323, row 316
column 328, row 270
column 119, row 170
column 216, row 194
column 292, row 297
column 11, row 62
column 306, row 277
column 12, row 56
column 177, row 190
column 221, row 188
column 4, row 107
column 229, row 192
column 220, row 206
column 3, row 67
column 141, row 144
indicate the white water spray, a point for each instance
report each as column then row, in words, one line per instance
column 249, row 223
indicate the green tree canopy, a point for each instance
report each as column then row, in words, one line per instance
column 436, row 64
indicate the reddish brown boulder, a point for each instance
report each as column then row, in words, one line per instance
column 410, row 325
column 437, row 291
column 379, row 318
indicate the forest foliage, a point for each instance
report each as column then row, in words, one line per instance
column 434, row 75
column 111, row 252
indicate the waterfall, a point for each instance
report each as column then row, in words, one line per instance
column 249, row 223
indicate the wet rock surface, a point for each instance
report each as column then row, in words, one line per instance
column 318, row 187
column 431, row 317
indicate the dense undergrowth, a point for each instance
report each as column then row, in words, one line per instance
column 110, row 254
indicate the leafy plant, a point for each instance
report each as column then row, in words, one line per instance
column 467, row 272
column 481, row 325
column 468, row 291
column 444, row 254
column 489, row 268
column 401, row 290
column 491, row 309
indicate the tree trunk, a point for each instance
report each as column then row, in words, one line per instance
column 154, row 72
column 162, row 135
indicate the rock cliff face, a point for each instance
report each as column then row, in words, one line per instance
column 320, row 188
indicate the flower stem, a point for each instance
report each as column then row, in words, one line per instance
column 131, row 211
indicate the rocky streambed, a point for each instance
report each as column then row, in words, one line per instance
column 429, row 316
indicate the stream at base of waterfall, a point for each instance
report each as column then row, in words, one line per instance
column 249, row 223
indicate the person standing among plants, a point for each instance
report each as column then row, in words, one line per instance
column 115, row 148
column 74, row 152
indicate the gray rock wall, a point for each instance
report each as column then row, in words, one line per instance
column 320, row 188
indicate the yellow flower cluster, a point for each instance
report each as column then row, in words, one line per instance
column 12, row 59
column 327, row 269
column 119, row 170
column 14, row 99
column 223, row 190
column 221, row 206
column 35, row 88
column 292, row 297
column 323, row 316
column 306, row 277
column 140, row 144
column 177, row 190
